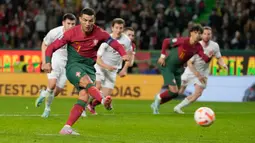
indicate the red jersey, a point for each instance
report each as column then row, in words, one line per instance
column 85, row 45
column 183, row 49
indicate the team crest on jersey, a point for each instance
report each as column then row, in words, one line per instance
column 78, row 74
column 95, row 41
column 174, row 40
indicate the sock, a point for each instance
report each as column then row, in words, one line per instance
column 43, row 93
column 184, row 103
column 167, row 96
column 48, row 101
column 49, row 90
column 94, row 92
column 76, row 112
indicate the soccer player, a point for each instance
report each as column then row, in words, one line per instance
column 182, row 49
column 109, row 62
column 83, row 42
column 197, row 71
column 56, row 78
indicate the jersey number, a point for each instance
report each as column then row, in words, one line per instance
column 181, row 56
column 78, row 49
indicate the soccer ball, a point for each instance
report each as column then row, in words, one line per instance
column 204, row 116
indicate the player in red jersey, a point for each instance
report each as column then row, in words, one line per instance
column 182, row 49
column 83, row 42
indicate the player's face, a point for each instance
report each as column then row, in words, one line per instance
column 196, row 35
column 207, row 35
column 68, row 24
column 130, row 34
column 117, row 29
column 87, row 22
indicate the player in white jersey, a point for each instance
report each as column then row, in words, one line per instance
column 109, row 62
column 57, row 77
column 197, row 70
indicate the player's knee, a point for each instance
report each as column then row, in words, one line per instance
column 83, row 95
column 84, row 81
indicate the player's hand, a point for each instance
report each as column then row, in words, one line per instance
column 125, row 58
column 111, row 68
column 225, row 67
column 46, row 67
column 211, row 53
column 123, row 73
column 161, row 61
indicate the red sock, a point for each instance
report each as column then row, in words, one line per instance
column 95, row 93
column 75, row 114
column 95, row 103
column 165, row 97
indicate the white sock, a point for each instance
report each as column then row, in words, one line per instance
column 68, row 126
column 48, row 101
column 43, row 93
column 184, row 103
column 49, row 90
column 158, row 97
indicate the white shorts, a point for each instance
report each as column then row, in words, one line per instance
column 189, row 78
column 106, row 77
column 58, row 71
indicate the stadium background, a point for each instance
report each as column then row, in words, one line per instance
column 24, row 24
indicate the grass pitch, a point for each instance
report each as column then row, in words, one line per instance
column 129, row 122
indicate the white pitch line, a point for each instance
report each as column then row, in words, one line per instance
column 116, row 114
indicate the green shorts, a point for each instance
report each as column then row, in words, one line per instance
column 75, row 71
column 171, row 77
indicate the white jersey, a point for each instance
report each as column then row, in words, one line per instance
column 52, row 35
column 112, row 57
column 199, row 63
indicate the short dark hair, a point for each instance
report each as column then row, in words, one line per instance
column 118, row 21
column 69, row 16
column 88, row 11
column 129, row 28
column 196, row 27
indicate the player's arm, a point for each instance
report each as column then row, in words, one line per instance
column 203, row 55
column 132, row 59
column 123, row 72
column 115, row 45
column 165, row 45
column 57, row 44
column 99, row 61
column 219, row 58
column 43, row 49
column 192, row 68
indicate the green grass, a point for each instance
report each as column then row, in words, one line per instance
column 129, row 122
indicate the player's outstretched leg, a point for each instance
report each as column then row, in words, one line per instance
column 189, row 99
column 75, row 114
column 91, row 106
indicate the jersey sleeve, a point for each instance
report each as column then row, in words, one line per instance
column 49, row 38
column 57, row 44
column 102, row 49
column 193, row 58
column 202, row 54
column 217, row 51
column 112, row 42
column 168, row 42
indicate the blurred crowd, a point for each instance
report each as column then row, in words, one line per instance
column 24, row 23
